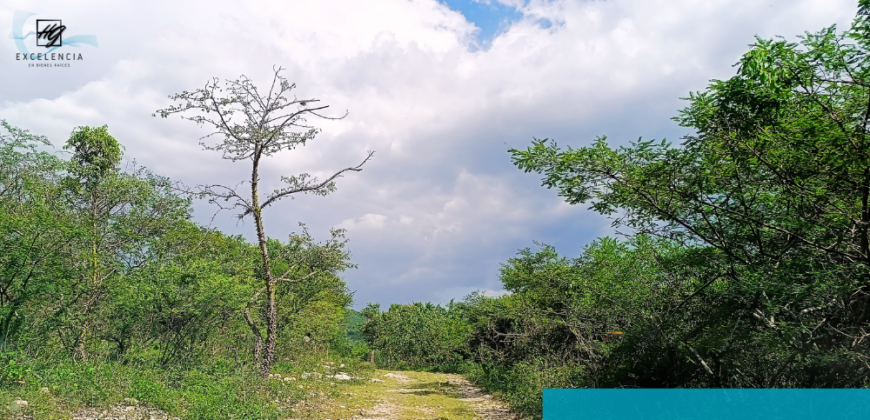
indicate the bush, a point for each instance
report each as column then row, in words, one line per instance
column 416, row 335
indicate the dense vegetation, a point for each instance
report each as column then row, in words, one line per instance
column 748, row 263
column 109, row 290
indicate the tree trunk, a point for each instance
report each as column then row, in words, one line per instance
column 271, row 330
column 266, row 270
column 80, row 352
column 258, row 338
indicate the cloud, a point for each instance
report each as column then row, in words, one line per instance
column 366, row 221
column 440, row 206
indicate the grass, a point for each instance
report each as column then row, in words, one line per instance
column 221, row 390
column 224, row 390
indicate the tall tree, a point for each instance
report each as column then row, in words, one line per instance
column 96, row 156
column 253, row 126
column 122, row 213
column 776, row 179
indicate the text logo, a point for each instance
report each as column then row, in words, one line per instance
column 49, row 33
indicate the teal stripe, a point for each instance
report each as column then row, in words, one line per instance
column 707, row 404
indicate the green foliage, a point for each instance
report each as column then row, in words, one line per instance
column 191, row 285
column 108, row 290
column 12, row 368
column 520, row 384
column 35, row 230
column 416, row 335
column 313, row 299
column 355, row 322
column 95, row 153
column 775, row 186
column 214, row 392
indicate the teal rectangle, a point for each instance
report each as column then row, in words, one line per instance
column 706, row 404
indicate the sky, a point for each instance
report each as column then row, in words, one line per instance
column 440, row 90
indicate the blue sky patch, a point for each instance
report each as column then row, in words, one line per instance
column 491, row 18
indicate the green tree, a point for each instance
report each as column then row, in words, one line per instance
column 37, row 231
column 190, row 285
column 96, row 156
column 418, row 335
column 95, row 152
column 122, row 214
column 311, row 295
column 265, row 127
column 776, row 182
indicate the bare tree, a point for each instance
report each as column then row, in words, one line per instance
column 252, row 127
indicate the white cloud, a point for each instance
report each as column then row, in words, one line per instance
column 440, row 205
column 366, row 221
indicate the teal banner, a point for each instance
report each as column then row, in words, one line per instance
column 706, row 404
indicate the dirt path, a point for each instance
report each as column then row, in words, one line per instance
column 392, row 395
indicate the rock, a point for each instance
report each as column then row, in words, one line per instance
column 131, row 401
column 18, row 405
column 397, row 376
column 341, row 376
column 288, row 379
column 316, row 375
column 44, row 390
column 327, row 367
column 341, row 365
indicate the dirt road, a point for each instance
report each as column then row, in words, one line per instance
column 402, row 395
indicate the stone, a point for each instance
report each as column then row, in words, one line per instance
column 44, row 390
column 341, row 376
column 18, row 405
